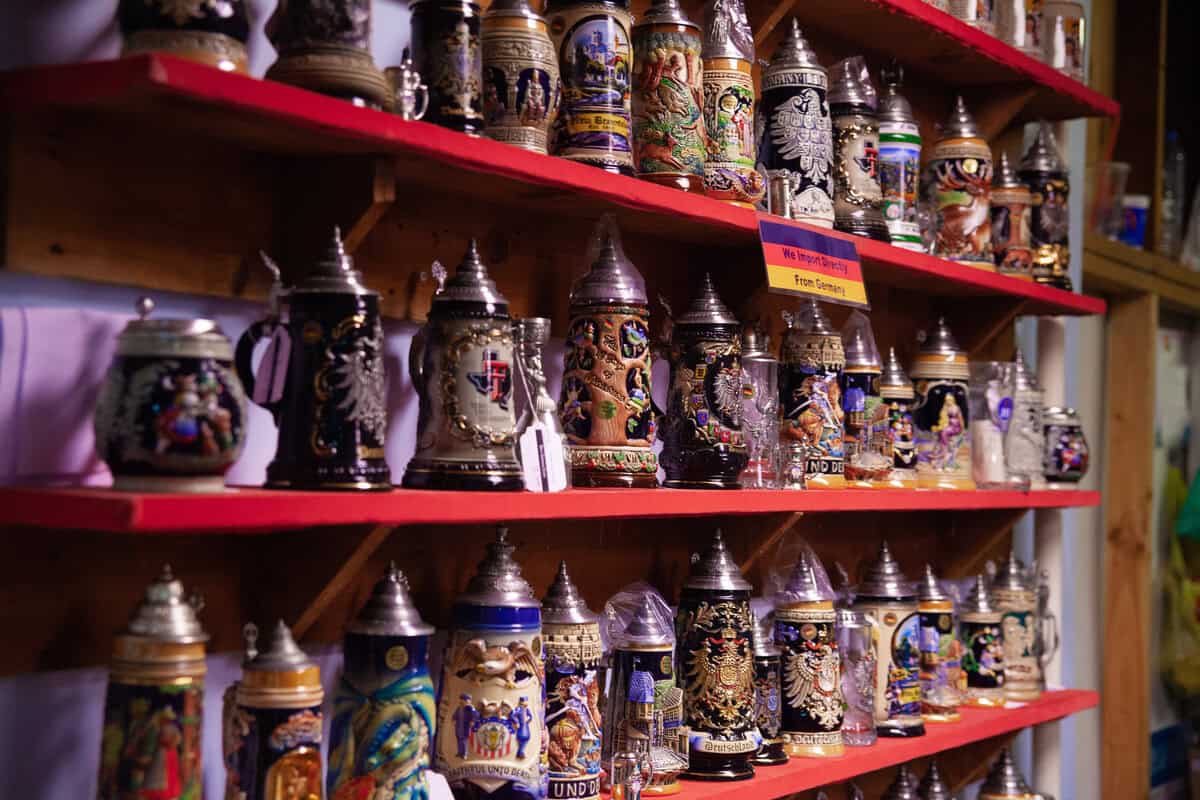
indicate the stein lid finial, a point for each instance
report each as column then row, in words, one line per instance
column 1005, row 177
column 850, row 83
column 1011, row 574
column 715, row 569
column 941, row 342
column 793, row 51
column 1004, row 779
column 885, row 580
column 497, row 580
column 1023, row 377
column 904, row 787
column 563, row 603
column 894, row 381
column 802, row 585
column 389, row 610
column 960, row 124
column 666, row 12
column 979, row 598
column 280, row 655
column 333, row 271
column 893, row 106
column 1042, row 155
column 612, row 277
column 727, row 32
column 930, row 588
column 646, row 627
column 165, row 615
column 932, row 786
column 707, row 307
column 471, row 283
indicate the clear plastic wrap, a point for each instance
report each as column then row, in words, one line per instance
column 621, row 608
column 783, row 563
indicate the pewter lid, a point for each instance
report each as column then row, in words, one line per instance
column 471, row 283
column 764, row 636
column 497, row 580
column 817, row 323
column 612, row 277
column 894, row 381
column 756, row 345
column 389, row 610
column 850, row 83
column 512, row 8
column 645, row 628
column 960, row 124
column 1059, row 415
column 1005, row 177
column 802, row 586
column 941, row 342
column 904, row 787
column 727, row 31
column 1005, row 779
column 715, row 569
column 979, row 598
column 893, row 106
column 1011, row 575
column 707, row 308
column 858, row 354
column 885, row 580
column 281, row 655
column 185, row 338
column 930, row 589
column 1042, row 155
column 932, row 786
column 164, row 614
column 1023, row 377
column 793, row 51
column 333, row 272
column 563, row 604
column 666, row 12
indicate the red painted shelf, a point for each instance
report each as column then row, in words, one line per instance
column 170, row 94
column 261, row 510
column 976, row 725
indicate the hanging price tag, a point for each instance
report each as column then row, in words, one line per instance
column 272, row 370
column 809, row 263
column 542, row 459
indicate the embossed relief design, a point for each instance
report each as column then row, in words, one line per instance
column 706, row 396
column 596, row 61
column 307, row 22
column 857, row 173
column 811, row 672
column 718, row 668
column 349, row 387
column 521, row 87
column 668, row 125
column 477, row 385
column 605, row 397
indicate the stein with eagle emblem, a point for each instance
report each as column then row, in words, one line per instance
column 491, row 721
column 714, row 647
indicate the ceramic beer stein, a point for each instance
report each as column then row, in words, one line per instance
column 384, row 705
column 890, row 600
column 669, row 141
column 573, row 721
column 446, row 50
column 606, row 408
column 596, row 60
column 461, row 364
column 812, row 419
column 1066, row 460
column 940, row 412
column 896, row 393
column 520, row 76
column 200, row 30
column 272, row 722
column 1042, row 170
column 703, row 446
column 1014, row 592
column 899, row 162
column 941, row 675
column 857, row 196
column 805, row 628
column 796, row 148
column 958, row 186
column 325, row 46
column 643, row 705
column 982, row 636
column 155, row 699
column 491, row 702
column 715, row 651
column 171, row 416
column 1012, row 206
column 728, row 53
column 768, row 694
column 868, row 456
column 322, row 378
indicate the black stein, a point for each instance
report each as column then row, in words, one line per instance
column 322, row 377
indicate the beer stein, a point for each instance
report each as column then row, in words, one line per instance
column 208, row 32
column 1014, row 591
column 805, row 628
column 154, row 705
column 1063, row 37
column 1011, row 219
column 890, row 600
column 856, row 641
column 958, row 187
column 446, row 50
column 990, row 406
column 904, row 787
column 728, row 53
column 868, row 451
column 760, row 411
column 796, row 148
column 857, row 195
column 571, row 632
column 669, row 141
column 325, row 46
column 810, row 369
column 1025, row 441
column 941, row 653
column 933, row 786
column 940, row 412
column 322, row 378
column 899, row 162
column 410, row 93
column 171, row 416
column 1066, row 459
column 520, row 76
column 272, row 722
column 384, row 706
column 982, row 636
column 768, row 694
column 491, row 703
column 1043, row 171
column 896, row 393
column 461, row 364
column 606, row 408
column 703, row 446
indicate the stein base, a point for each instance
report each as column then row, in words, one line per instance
column 866, row 229
column 662, row 789
column 825, row 482
column 721, row 770
column 939, row 482
column 495, row 480
column 861, row 485
column 613, row 480
column 192, row 484
column 301, row 486
column 615, row 169
column 770, row 755
column 715, row 483
column 686, row 183
column 337, row 70
column 1021, row 276
column 975, row 701
column 897, row 732
column 737, row 203
column 214, row 49
column 815, row 750
column 942, row 716
column 1023, row 695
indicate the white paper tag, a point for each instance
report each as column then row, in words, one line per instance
column 542, row 459
column 272, row 370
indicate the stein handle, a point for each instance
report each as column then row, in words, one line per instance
column 1050, row 638
column 422, row 95
column 416, row 358
column 244, row 353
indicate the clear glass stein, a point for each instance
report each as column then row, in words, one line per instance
column 760, row 411
column 855, row 633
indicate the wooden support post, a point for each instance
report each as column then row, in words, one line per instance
column 342, row 578
column 1128, row 487
column 771, row 541
column 776, row 16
